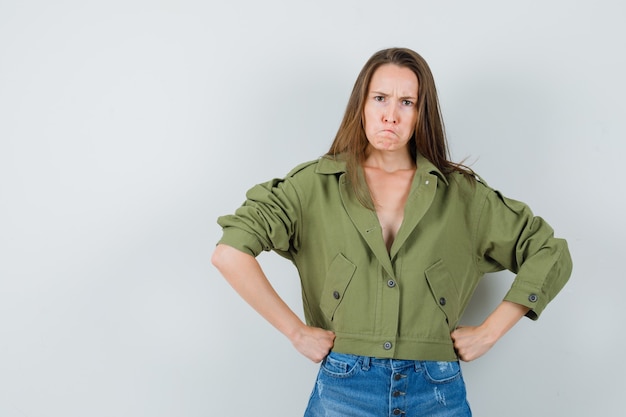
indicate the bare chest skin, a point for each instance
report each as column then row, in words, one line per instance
column 389, row 191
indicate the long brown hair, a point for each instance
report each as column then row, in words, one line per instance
column 429, row 139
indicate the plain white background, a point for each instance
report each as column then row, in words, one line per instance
column 127, row 127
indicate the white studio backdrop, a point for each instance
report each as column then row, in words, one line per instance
column 128, row 127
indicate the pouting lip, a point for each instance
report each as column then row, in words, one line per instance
column 391, row 131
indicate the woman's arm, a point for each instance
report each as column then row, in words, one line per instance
column 244, row 274
column 472, row 342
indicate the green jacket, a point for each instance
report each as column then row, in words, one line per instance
column 403, row 303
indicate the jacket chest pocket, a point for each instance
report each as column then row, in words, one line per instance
column 444, row 292
column 338, row 278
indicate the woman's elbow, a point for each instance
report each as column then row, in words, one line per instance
column 224, row 257
column 220, row 256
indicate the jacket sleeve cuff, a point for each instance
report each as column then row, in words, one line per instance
column 241, row 240
column 529, row 297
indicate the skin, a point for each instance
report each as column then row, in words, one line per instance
column 389, row 120
column 390, row 115
column 472, row 342
column 244, row 274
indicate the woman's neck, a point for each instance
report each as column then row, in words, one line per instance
column 389, row 161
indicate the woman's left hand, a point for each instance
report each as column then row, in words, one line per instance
column 471, row 342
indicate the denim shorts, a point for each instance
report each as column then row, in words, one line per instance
column 359, row 386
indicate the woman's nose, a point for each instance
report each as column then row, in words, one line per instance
column 390, row 115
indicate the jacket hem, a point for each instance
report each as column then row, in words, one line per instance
column 395, row 348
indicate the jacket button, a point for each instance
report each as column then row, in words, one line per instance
column 387, row 345
column 533, row 298
column 442, row 301
column 336, row 295
column 391, row 283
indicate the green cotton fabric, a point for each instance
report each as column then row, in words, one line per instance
column 402, row 303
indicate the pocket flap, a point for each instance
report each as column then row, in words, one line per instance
column 444, row 291
column 337, row 280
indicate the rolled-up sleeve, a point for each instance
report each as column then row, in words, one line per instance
column 511, row 237
column 267, row 220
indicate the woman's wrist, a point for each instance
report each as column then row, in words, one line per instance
column 502, row 319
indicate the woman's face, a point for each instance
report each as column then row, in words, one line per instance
column 390, row 111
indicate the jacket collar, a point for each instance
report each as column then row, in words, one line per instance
column 330, row 165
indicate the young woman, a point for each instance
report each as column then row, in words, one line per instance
column 390, row 239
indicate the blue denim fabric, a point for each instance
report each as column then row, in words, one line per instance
column 359, row 386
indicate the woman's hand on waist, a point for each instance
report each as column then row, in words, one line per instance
column 313, row 342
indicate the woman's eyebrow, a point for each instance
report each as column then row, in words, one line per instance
column 380, row 93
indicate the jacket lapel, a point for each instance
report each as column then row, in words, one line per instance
column 366, row 223
column 420, row 199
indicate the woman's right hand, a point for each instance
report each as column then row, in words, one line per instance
column 313, row 342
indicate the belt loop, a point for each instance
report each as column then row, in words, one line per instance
column 418, row 365
column 365, row 365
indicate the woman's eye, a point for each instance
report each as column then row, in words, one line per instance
column 407, row 102
column 379, row 98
